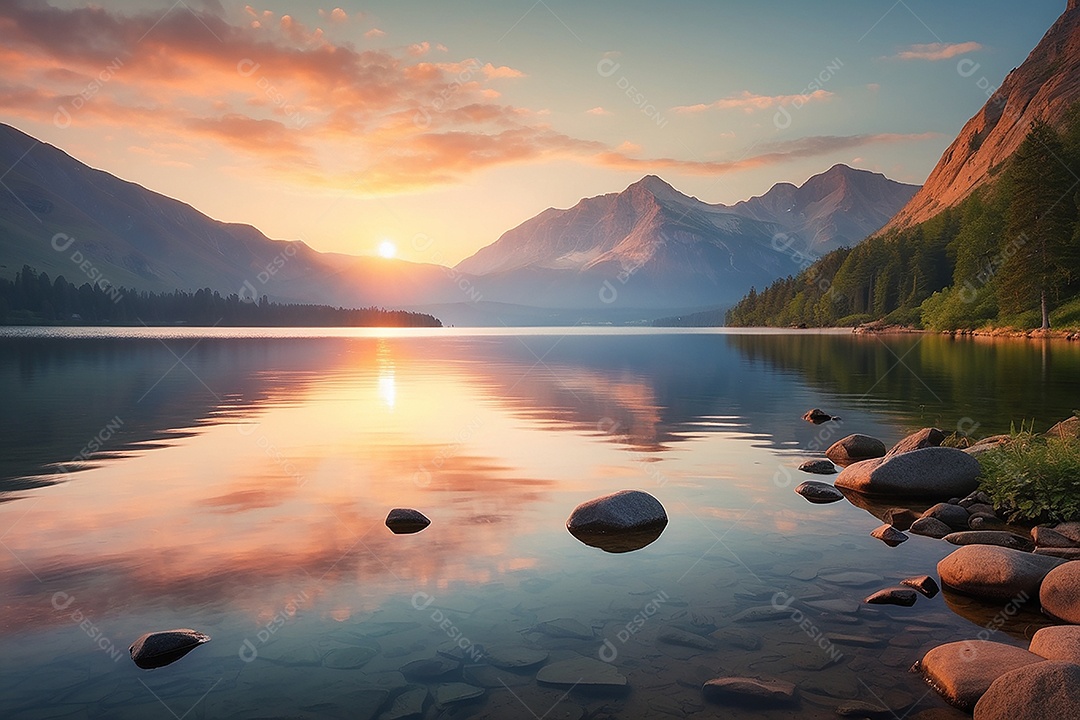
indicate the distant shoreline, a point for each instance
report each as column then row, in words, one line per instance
column 1038, row 334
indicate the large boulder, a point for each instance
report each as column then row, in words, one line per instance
column 962, row 671
column 927, row 473
column 854, row 448
column 990, row 571
column 1060, row 592
column 930, row 527
column 1039, row 691
column 927, row 437
column 1057, row 642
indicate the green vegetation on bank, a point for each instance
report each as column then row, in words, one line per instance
column 35, row 299
column 1035, row 477
column 1007, row 256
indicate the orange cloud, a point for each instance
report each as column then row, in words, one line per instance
column 598, row 111
column 750, row 102
column 937, row 51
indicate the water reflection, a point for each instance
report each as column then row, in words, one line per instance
column 247, row 487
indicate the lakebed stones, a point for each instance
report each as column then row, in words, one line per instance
column 1001, row 538
column 995, row 572
column 158, row 649
column 675, row 636
column 902, row 596
column 855, row 448
column 962, row 671
column 926, row 473
column 1057, row 642
column 1060, row 592
column 749, row 691
column 456, row 692
column 924, row 584
column 513, row 657
column 818, row 467
column 564, row 628
column 819, row 492
column 888, row 535
column 405, row 521
column 581, row 672
column 620, row 522
column 1038, row 691
column 927, row 437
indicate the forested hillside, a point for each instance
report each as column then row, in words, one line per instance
column 1009, row 255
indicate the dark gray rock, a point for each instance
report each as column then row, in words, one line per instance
column 855, row 448
column 1002, row 538
column 819, row 492
column 1039, row 691
column 927, row 437
column 932, row 472
column 954, row 516
column 619, row 512
column 404, row 521
column 818, row 467
column 930, row 527
column 817, row 416
column 904, row 597
column 900, row 518
column 1044, row 536
column 158, row 649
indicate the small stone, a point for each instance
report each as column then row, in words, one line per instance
column 750, row 691
column 817, row 416
column 866, row 710
column 564, row 628
column 158, row 649
column 893, row 596
column 515, row 656
column 952, row 515
column 449, row 693
column 674, row 636
column 408, row 704
column 818, row 467
column 1001, row 538
column 888, row 535
column 851, row 578
column 429, row 669
column 924, row 584
column 900, row 518
column 930, row 527
column 405, row 521
column 819, row 492
column 855, row 448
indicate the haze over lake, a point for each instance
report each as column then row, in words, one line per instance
column 244, row 475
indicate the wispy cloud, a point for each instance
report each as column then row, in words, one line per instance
column 936, row 51
column 751, row 102
column 598, row 111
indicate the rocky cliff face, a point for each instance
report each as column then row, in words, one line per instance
column 1043, row 88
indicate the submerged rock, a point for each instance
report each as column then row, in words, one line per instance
column 515, row 656
column 855, row 448
column 926, row 473
column 962, row 671
column 429, row 669
column 404, row 521
column 924, row 584
column 819, row 492
column 620, row 522
column 1039, row 691
column 888, row 535
column 409, row 704
column 449, row 693
column 581, row 672
column 995, row 572
column 158, row 649
column 751, row 691
column 675, row 636
column 564, row 628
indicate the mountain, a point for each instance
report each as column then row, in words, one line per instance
column 1043, row 87
column 63, row 217
column 652, row 247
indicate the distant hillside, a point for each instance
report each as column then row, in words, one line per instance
column 651, row 246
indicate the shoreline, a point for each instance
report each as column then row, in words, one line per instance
column 1038, row 334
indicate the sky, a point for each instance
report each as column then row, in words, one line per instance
column 428, row 129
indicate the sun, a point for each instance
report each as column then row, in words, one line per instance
column 387, row 249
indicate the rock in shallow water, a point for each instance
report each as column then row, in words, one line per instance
column 581, row 672
column 924, row 584
column 1057, row 642
column 904, row 597
column 855, row 448
column 404, row 521
column 1060, row 592
column 930, row 527
column 819, row 492
column 1040, row 691
column 926, row 473
column 888, row 535
column 158, row 649
column 927, row 437
column 620, row 522
column 817, row 416
column 995, row 572
column 818, row 467
column 1001, row 538
column 750, row 691
column 962, row 671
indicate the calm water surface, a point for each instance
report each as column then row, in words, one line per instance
column 236, row 482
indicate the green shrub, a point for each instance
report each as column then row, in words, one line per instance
column 1034, row 477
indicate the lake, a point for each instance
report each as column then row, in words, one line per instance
column 236, row 481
